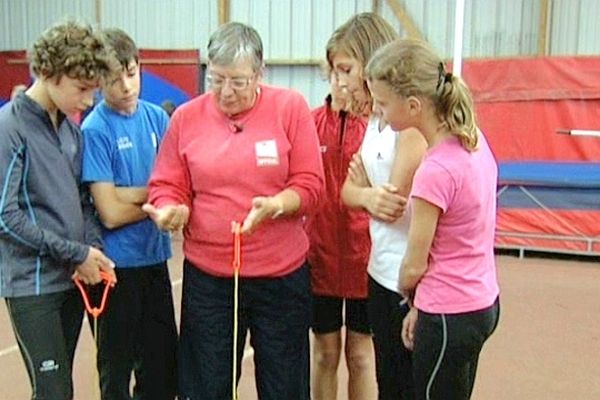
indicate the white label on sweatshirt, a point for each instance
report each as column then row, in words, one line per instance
column 266, row 153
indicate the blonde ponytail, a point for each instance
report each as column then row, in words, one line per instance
column 411, row 68
column 455, row 108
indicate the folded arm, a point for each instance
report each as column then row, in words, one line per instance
column 118, row 206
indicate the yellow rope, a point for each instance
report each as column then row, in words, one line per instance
column 234, row 394
column 236, row 295
column 96, row 375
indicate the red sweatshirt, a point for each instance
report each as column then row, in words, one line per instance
column 216, row 165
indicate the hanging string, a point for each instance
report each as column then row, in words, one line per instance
column 237, row 244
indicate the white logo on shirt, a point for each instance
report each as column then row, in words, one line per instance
column 48, row 365
column 124, row 143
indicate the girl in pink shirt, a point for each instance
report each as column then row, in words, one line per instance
column 449, row 268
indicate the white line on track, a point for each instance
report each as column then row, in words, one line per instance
column 8, row 350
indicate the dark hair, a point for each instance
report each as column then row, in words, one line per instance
column 410, row 67
column 168, row 106
column 122, row 44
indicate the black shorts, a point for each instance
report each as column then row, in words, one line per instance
column 328, row 318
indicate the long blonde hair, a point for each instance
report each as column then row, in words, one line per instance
column 359, row 38
column 411, row 68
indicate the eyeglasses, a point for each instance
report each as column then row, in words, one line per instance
column 217, row 82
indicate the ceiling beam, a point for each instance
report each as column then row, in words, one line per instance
column 544, row 29
column 405, row 19
column 223, row 6
column 375, row 6
column 98, row 12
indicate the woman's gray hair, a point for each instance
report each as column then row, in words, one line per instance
column 234, row 41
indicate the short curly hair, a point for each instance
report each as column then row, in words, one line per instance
column 73, row 49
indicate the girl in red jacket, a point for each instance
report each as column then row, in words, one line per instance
column 338, row 256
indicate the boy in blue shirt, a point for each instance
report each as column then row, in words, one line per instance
column 137, row 332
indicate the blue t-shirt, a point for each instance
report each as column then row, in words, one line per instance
column 121, row 149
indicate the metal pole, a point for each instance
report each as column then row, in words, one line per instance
column 459, row 22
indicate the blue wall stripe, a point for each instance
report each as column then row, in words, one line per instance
column 556, row 198
column 11, row 167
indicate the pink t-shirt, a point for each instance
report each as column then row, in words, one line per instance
column 461, row 273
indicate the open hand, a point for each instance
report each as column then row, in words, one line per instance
column 168, row 218
column 262, row 208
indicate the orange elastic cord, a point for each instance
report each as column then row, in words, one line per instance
column 108, row 282
column 237, row 245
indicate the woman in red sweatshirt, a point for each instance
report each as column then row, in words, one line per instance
column 244, row 152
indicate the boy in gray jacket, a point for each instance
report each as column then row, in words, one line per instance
column 48, row 231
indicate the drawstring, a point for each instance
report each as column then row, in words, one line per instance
column 95, row 312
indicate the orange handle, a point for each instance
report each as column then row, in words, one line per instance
column 237, row 245
column 95, row 311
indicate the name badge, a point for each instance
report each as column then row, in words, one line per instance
column 266, row 153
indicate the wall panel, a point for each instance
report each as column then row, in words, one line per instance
column 163, row 24
column 297, row 30
column 23, row 20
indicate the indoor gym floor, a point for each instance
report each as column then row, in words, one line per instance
column 547, row 345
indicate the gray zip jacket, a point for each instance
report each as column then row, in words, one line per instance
column 47, row 221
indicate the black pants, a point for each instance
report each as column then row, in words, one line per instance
column 276, row 311
column 137, row 333
column 47, row 328
column 446, row 352
column 393, row 362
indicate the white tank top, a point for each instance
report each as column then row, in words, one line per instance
column 388, row 240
